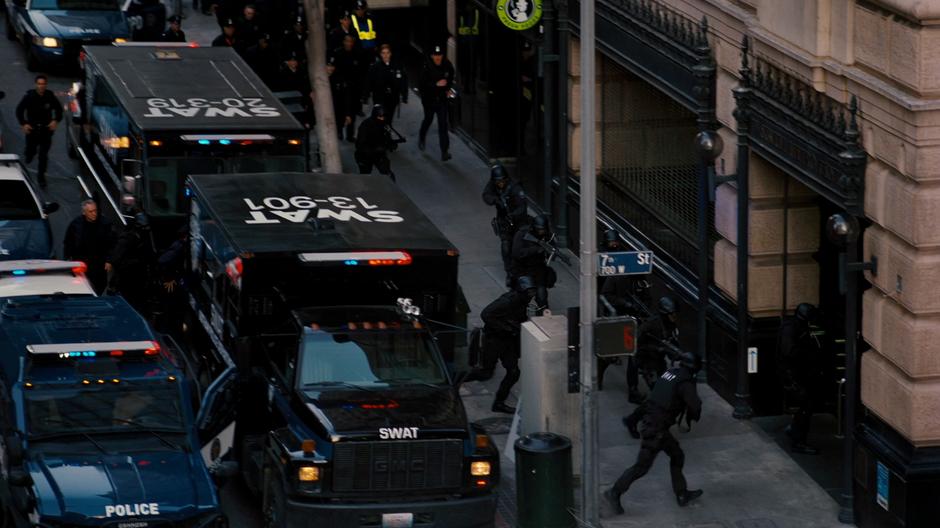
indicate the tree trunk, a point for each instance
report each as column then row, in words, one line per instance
column 322, row 97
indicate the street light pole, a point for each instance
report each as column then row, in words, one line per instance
column 590, row 483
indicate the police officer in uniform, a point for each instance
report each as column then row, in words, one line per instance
column 39, row 113
column 799, row 358
column 502, row 323
column 364, row 26
column 658, row 338
column 344, row 98
column 508, row 198
column 227, row 39
column 531, row 258
column 263, row 59
column 174, row 33
column 341, row 31
column 437, row 80
column 248, row 27
column 387, row 83
column 350, row 65
column 674, row 394
column 293, row 78
column 373, row 142
column 295, row 40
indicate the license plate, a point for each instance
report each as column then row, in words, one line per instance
column 398, row 520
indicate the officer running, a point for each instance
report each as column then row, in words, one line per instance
column 502, row 324
column 373, row 142
column 437, row 82
column 658, row 338
column 387, row 83
column 530, row 257
column 39, row 113
column 799, row 358
column 675, row 394
column 509, row 199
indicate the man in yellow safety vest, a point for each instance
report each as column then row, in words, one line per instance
column 468, row 48
column 364, row 26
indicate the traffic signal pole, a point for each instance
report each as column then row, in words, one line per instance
column 590, row 484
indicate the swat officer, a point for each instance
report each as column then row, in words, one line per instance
column 658, row 338
column 437, row 81
column 530, row 257
column 373, row 142
column 799, row 358
column 174, row 32
column 509, row 199
column 627, row 295
column 344, row 100
column 132, row 259
column 674, row 394
column 502, row 323
column 39, row 113
column 293, row 78
column 387, row 83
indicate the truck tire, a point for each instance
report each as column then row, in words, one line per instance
column 273, row 500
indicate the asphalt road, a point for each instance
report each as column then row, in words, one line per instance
column 241, row 507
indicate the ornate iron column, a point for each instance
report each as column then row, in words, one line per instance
column 561, row 224
column 742, row 93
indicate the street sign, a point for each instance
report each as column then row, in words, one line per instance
column 624, row 263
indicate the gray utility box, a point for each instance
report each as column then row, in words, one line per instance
column 546, row 404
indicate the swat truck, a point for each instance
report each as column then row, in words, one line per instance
column 96, row 420
column 327, row 292
column 146, row 117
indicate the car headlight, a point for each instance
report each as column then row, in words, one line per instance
column 480, row 469
column 308, row 474
column 47, row 42
column 120, row 40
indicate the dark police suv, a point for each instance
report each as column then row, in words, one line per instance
column 97, row 420
column 327, row 292
column 53, row 31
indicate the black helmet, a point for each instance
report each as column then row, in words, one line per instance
column 378, row 111
column 667, row 306
column 498, row 173
column 541, row 225
column 611, row 235
column 142, row 220
column 691, row 361
column 806, row 312
column 525, row 284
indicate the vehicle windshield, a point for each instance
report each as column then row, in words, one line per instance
column 16, row 202
column 76, row 5
column 368, row 357
column 109, row 408
column 167, row 176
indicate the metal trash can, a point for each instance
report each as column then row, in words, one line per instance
column 544, row 490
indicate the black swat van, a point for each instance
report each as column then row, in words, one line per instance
column 326, row 292
column 145, row 117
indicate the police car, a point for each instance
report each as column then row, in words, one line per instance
column 20, row 278
column 24, row 223
column 53, row 31
column 97, row 420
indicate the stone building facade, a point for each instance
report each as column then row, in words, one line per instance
column 807, row 60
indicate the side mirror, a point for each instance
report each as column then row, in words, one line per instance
column 224, row 470
column 50, row 207
column 19, row 478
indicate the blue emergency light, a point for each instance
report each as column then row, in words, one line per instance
column 225, row 142
column 204, row 142
column 19, row 272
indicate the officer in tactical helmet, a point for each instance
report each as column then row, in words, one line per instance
column 373, row 142
column 674, row 394
column 531, row 255
column 508, row 198
column 800, row 353
column 502, row 322
column 658, row 338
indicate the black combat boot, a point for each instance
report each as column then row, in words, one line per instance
column 501, row 407
column 611, row 504
column 687, row 496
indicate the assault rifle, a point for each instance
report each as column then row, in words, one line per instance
column 550, row 249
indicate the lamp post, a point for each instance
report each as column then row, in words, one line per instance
column 843, row 230
column 708, row 145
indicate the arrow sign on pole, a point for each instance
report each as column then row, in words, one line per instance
column 624, row 263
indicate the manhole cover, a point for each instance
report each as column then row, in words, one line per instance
column 496, row 424
column 756, row 523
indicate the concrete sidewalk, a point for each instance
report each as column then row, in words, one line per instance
column 749, row 481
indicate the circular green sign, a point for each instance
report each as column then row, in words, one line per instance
column 519, row 14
